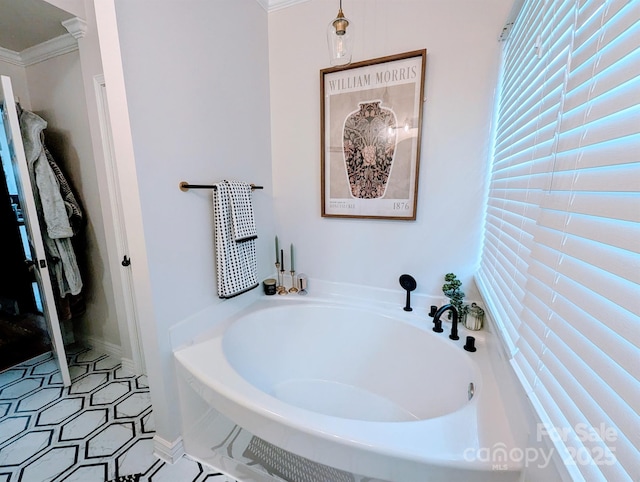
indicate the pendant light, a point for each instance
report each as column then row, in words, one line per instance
column 339, row 39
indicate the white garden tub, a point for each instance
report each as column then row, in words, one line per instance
column 361, row 390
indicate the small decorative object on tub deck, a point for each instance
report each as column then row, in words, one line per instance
column 281, row 289
column 294, row 288
column 452, row 290
column 408, row 283
column 302, row 284
column 475, row 318
column 269, row 286
column 280, row 267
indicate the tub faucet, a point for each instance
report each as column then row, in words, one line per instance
column 454, row 320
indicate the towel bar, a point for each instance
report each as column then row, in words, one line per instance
column 185, row 186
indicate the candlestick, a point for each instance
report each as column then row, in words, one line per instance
column 277, row 249
column 293, row 288
column 280, row 289
column 292, row 263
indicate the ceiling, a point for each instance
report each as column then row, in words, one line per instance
column 25, row 23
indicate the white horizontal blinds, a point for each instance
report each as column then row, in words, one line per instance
column 561, row 261
column 554, row 54
column 589, row 367
column 514, row 189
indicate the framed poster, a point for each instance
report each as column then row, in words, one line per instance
column 371, row 124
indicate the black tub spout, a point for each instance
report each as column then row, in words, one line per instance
column 454, row 320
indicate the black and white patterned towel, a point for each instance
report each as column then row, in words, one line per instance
column 236, row 264
column 242, row 220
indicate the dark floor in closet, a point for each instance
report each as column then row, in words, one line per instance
column 21, row 338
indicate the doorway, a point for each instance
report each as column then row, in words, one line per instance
column 63, row 89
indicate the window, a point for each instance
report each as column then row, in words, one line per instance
column 560, row 269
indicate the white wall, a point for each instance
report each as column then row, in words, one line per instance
column 196, row 78
column 18, row 82
column 463, row 55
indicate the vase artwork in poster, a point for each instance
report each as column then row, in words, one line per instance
column 369, row 140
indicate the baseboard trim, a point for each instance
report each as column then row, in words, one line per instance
column 129, row 366
column 113, row 350
column 105, row 347
column 170, row 452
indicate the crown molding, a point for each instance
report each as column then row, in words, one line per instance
column 10, row 57
column 49, row 49
column 272, row 5
column 46, row 50
column 76, row 27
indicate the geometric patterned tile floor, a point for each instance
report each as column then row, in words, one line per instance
column 98, row 429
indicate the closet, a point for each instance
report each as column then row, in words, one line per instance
column 43, row 62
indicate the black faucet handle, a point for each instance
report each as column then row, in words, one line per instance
column 432, row 310
column 470, row 345
column 437, row 326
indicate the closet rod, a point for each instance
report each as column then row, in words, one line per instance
column 185, row 186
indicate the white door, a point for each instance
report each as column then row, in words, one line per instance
column 41, row 270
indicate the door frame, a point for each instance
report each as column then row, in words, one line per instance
column 123, row 280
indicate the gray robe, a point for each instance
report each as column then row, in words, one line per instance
column 52, row 212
